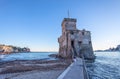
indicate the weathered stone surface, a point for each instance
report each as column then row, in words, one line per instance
column 74, row 42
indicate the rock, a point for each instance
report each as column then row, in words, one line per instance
column 53, row 55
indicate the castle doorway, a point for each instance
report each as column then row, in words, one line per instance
column 73, row 48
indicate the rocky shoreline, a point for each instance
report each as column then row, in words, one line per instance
column 9, row 69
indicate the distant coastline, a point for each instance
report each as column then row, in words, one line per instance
column 8, row 49
column 113, row 49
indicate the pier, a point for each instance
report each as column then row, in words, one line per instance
column 77, row 70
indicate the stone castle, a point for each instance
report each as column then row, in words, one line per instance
column 74, row 42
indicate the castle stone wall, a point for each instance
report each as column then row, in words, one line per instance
column 74, row 42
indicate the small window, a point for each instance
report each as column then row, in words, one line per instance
column 80, row 42
column 89, row 42
column 72, row 33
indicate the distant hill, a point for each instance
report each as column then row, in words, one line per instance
column 7, row 49
column 117, row 48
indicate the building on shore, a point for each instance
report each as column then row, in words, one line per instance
column 111, row 49
column 74, row 42
column 118, row 47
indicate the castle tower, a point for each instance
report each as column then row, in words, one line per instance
column 68, row 24
column 74, row 42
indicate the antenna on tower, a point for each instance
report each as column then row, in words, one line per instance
column 68, row 14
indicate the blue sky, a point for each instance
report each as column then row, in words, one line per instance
column 37, row 23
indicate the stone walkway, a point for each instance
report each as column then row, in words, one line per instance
column 74, row 71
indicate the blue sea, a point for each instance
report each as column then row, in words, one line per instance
column 27, row 56
column 106, row 66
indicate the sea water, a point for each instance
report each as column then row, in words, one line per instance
column 106, row 66
column 26, row 56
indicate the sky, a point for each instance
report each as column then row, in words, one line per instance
column 37, row 23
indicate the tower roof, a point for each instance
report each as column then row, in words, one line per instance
column 69, row 20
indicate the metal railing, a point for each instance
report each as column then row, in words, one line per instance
column 86, row 76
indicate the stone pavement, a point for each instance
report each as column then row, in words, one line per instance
column 74, row 71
